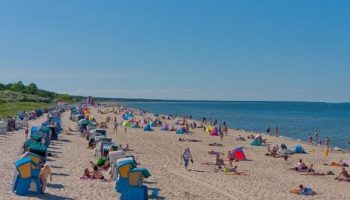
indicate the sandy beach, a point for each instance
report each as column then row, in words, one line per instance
column 160, row 151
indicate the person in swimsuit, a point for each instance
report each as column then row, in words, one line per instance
column 45, row 172
column 186, row 156
column 97, row 174
column 343, row 176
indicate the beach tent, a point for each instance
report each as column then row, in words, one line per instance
column 298, row 149
column 181, row 130
column 126, row 123
column 238, row 153
column 214, row 132
column 257, row 141
column 147, row 128
column 165, row 127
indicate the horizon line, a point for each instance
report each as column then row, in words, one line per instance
column 211, row 100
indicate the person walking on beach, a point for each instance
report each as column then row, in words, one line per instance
column 277, row 131
column 224, row 128
column 125, row 129
column 221, row 134
column 316, row 137
column 186, row 157
column 45, row 173
column 26, row 132
column 268, row 130
column 115, row 125
column 310, row 139
column 328, row 141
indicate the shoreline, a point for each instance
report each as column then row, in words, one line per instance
column 198, row 121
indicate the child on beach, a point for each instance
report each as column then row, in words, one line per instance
column 186, row 157
column 45, row 172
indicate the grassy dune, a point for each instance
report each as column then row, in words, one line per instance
column 11, row 109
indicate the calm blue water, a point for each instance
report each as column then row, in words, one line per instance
column 294, row 119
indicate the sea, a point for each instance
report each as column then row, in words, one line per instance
column 296, row 120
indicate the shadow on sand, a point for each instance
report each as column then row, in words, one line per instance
column 48, row 196
column 55, row 185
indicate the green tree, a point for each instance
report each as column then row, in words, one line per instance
column 32, row 88
column 18, row 87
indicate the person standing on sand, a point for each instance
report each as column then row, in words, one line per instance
column 328, row 141
column 310, row 139
column 221, row 134
column 115, row 125
column 26, row 132
column 186, row 157
column 316, row 137
column 125, row 129
column 224, row 128
column 45, row 173
column 187, row 128
column 277, row 131
column 268, row 130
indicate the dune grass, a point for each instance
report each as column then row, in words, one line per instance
column 11, row 109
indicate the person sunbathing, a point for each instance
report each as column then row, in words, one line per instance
column 301, row 166
column 126, row 148
column 96, row 174
column 218, row 161
column 301, row 190
column 214, row 153
column 216, row 144
column 312, row 172
column 172, row 128
column 340, row 163
column 274, row 150
column 343, row 176
column 250, row 136
column 188, row 140
column 240, row 138
column 230, row 157
column 233, row 171
column 87, row 174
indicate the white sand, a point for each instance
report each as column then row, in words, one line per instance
column 268, row 178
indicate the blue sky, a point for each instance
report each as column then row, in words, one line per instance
column 198, row 49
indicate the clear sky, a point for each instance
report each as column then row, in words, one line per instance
column 182, row 49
